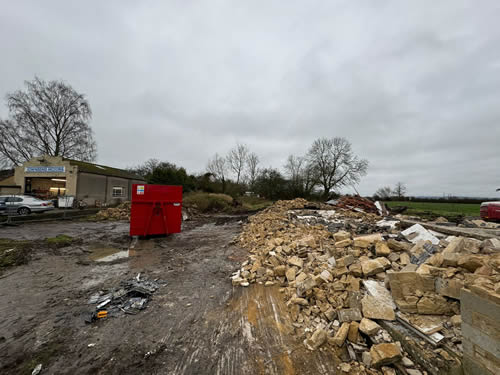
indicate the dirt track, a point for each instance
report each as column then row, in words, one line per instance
column 196, row 324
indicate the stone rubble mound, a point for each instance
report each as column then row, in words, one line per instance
column 120, row 212
column 347, row 275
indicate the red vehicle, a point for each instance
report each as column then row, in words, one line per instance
column 490, row 211
column 156, row 209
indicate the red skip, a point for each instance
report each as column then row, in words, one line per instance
column 156, row 209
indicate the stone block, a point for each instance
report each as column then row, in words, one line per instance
column 385, row 354
column 381, row 249
column 368, row 327
column 341, row 334
column 352, row 334
column 317, row 339
column 371, row 267
column 343, row 243
column 373, row 308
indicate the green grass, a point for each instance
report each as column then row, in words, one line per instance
column 208, row 202
column 13, row 253
column 254, row 203
column 60, row 240
column 432, row 210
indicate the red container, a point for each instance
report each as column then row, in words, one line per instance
column 156, row 209
column 490, row 210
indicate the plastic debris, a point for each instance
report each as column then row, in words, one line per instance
column 130, row 297
column 37, row 369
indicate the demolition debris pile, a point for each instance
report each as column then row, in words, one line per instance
column 357, row 203
column 120, row 212
column 349, row 278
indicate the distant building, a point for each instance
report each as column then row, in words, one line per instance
column 52, row 176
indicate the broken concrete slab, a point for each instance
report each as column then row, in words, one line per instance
column 418, row 233
column 373, row 308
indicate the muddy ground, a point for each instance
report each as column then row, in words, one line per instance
column 196, row 324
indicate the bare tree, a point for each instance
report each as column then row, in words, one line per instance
column 218, row 167
column 293, row 168
column 252, row 168
column 46, row 118
column 384, row 193
column 400, row 190
column 335, row 164
column 237, row 159
column 146, row 168
column 301, row 174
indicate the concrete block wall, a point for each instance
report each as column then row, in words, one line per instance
column 481, row 333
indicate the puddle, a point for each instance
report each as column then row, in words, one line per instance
column 141, row 254
column 108, row 254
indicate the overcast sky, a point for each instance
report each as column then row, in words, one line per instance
column 413, row 85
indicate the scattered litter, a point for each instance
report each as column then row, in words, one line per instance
column 37, row 369
column 130, row 297
column 387, row 223
column 382, row 209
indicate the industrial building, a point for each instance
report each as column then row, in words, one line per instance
column 49, row 177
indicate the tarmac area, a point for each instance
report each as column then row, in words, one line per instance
column 196, row 323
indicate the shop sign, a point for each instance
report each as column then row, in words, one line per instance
column 53, row 169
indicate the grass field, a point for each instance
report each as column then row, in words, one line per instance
column 434, row 209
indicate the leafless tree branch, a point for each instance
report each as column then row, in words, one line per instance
column 46, row 118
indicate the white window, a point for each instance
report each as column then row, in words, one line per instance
column 117, row 191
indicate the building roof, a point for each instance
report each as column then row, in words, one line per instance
column 103, row 170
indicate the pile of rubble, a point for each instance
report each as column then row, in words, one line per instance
column 120, row 212
column 357, row 203
column 348, row 276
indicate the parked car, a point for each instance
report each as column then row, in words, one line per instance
column 3, row 205
column 25, row 205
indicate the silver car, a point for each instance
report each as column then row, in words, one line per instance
column 24, row 204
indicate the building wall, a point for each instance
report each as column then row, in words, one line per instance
column 70, row 173
column 8, row 186
column 118, row 182
column 480, row 331
column 9, row 190
column 91, row 188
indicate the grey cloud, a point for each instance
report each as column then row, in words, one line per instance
column 414, row 86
